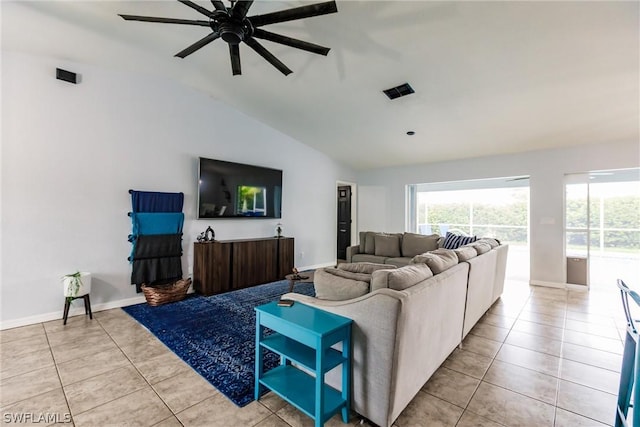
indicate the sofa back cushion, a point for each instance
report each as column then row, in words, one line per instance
column 454, row 241
column 387, row 245
column 480, row 247
column 465, row 253
column 364, row 267
column 494, row 243
column 363, row 243
column 370, row 243
column 416, row 244
column 438, row 261
column 331, row 284
column 400, row 278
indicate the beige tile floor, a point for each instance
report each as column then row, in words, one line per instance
column 539, row 357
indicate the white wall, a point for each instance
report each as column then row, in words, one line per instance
column 70, row 153
column 383, row 191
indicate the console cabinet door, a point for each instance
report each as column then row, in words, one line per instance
column 254, row 262
column 285, row 257
column 211, row 267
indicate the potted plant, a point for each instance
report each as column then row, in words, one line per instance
column 76, row 284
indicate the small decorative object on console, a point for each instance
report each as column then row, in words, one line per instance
column 207, row 236
column 278, row 230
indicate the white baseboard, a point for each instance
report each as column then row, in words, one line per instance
column 559, row 285
column 547, row 284
column 577, row 287
column 79, row 308
column 75, row 311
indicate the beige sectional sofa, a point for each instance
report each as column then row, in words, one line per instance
column 391, row 248
column 410, row 320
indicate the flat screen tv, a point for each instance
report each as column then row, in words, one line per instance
column 236, row 190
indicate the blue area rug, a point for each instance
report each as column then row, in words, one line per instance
column 215, row 335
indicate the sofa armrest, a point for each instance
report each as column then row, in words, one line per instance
column 351, row 251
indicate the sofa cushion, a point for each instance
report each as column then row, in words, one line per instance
column 400, row 278
column 387, row 245
column 494, row 243
column 465, row 253
column 368, row 258
column 397, row 262
column 329, row 286
column 370, row 243
column 416, row 244
column 362, row 277
column 438, row 261
column 480, row 247
column 454, row 241
column 363, row 237
column 364, row 267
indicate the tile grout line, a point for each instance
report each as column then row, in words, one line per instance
column 55, row 364
column 63, row 386
column 493, row 358
column 558, row 376
column 173, row 414
column 140, row 373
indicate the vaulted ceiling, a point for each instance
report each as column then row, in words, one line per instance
column 490, row 77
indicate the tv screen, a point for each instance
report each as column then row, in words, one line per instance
column 235, row 190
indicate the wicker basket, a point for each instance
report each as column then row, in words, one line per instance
column 158, row 295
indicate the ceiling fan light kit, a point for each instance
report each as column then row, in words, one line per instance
column 232, row 25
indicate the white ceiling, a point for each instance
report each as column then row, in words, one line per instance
column 490, row 77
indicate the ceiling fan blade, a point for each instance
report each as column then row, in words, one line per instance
column 165, row 20
column 197, row 45
column 255, row 45
column 218, row 5
column 295, row 13
column 299, row 44
column 234, row 52
column 241, row 8
column 197, row 7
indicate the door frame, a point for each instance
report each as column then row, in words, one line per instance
column 354, row 213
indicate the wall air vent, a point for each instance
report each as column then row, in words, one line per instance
column 67, row 76
column 398, row 91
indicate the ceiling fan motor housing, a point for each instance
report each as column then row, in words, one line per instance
column 231, row 30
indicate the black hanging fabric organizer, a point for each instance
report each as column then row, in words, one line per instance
column 156, row 237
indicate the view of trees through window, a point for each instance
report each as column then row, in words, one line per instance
column 502, row 213
column 613, row 216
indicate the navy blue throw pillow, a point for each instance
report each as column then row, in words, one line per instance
column 454, row 241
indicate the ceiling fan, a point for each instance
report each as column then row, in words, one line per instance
column 232, row 25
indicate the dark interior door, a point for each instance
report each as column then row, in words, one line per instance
column 344, row 220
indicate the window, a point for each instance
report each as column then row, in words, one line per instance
column 496, row 208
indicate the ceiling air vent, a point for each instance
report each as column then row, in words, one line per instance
column 398, row 91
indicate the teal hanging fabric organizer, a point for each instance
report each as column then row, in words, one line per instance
column 156, row 238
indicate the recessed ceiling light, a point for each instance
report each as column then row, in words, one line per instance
column 411, row 133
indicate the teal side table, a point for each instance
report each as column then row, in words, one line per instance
column 304, row 335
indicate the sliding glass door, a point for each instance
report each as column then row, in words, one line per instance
column 602, row 225
column 496, row 208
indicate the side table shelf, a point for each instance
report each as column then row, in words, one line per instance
column 303, row 336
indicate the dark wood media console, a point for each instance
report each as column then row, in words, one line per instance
column 226, row 265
